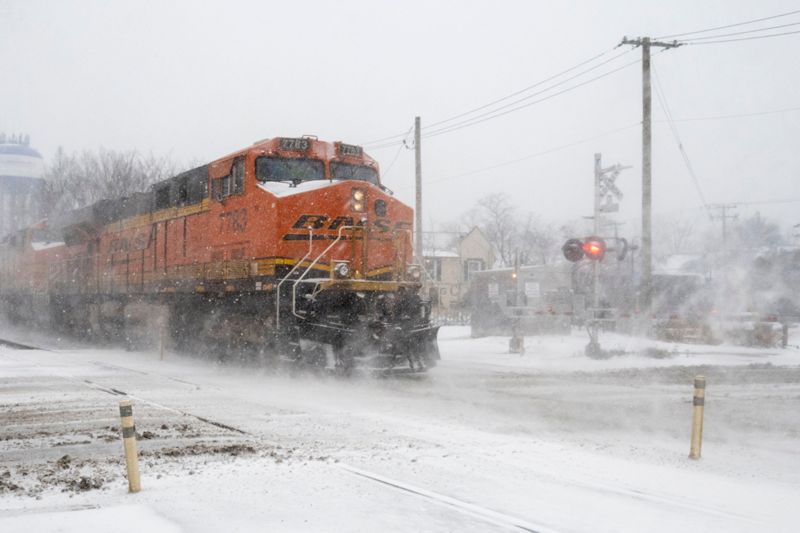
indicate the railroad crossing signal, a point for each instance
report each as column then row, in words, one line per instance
column 607, row 188
column 593, row 248
column 573, row 250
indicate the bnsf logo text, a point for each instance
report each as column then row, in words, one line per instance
column 322, row 222
column 326, row 223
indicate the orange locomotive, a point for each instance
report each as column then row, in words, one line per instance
column 291, row 247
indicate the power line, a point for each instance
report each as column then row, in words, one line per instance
column 395, row 140
column 396, row 137
column 729, row 25
column 491, row 115
column 743, row 38
column 471, row 111
column 662, row 99
column 498, row 113
column 769, row 202
column 534, row 155
column 403, row 144
column 738, row 115
column 694, row 39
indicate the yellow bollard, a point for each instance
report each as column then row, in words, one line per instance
column 129, row 441
column 697, row 416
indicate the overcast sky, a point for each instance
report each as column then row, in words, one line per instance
column 196, row 80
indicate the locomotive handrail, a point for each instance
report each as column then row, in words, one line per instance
column 314, row 262
column 295, row 267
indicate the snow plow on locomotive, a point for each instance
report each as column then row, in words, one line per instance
column 291, row 248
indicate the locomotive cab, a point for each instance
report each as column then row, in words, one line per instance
column 342, row 272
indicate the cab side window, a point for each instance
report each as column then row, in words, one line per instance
column 231, row 184
column 237, row 173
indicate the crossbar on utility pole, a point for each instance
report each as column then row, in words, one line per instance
column 647, row 192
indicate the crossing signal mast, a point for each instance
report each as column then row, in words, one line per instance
column 594, row 248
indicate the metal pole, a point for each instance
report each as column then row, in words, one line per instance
column 418, row 205
column 598, row 171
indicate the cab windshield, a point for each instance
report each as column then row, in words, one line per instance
column 343, row 171
column 293, row 170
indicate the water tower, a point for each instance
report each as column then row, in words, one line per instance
column 21, row 183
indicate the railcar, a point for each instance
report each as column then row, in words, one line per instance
column 291, row 248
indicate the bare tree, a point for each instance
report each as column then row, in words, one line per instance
column 497, row 217
column 674, row 235
column 537, row 241
column 757, row 232
column 80, row 179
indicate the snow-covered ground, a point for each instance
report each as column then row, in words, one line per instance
column 487, row 441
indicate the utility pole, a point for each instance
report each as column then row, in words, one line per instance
column 647, row 192
column 724, row 216
column 418, row 205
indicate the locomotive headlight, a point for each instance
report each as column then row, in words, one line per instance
column 358, row 197
column 414, row 272
column 341, row 269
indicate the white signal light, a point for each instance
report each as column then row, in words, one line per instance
column 342, row 269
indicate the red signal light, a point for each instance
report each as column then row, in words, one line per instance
column 594, row 248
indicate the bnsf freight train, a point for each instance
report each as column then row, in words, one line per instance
column 290, row 248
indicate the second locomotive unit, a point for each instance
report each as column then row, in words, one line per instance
column 291, row 247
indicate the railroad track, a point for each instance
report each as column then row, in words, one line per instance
column 476, row 511
column 17, row 345
column 473, row 510
column 470, row 509
column 114, row 391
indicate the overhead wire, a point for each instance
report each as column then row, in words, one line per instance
column 395, row 140
column 495, row 114
column 732, row 34
column 769, row 202
column 537, row 84
column 753, row 21
column 382, row 142
column 754, row 37
column 665, row 106
column 738, row 115
column 534, row 155
column 403, row 144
